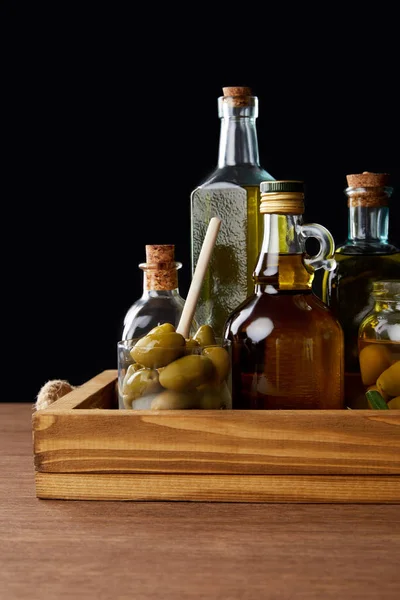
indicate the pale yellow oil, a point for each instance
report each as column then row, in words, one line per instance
column 254, row 233
column 229, row 278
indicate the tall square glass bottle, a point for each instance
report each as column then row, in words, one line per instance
column 232, row 193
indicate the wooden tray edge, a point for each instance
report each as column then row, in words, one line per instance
column 220, row 488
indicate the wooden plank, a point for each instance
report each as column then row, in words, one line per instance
column 98, row 392
column 229, row 442
column 220, row 488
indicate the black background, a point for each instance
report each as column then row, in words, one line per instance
column 112, row 121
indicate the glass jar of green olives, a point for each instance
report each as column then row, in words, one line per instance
column 162, row 371
column 379, row 342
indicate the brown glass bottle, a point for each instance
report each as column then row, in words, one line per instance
column 287, row 347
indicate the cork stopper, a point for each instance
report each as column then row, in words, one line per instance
column 156, row 253
column 160, row 268
column 237, row 95
column 367, row 179
column 368, row 189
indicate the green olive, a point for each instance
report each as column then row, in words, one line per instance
column 187, row 373
column 394, row 403
column 164, row 328
column 139, row 383
column 158, row 349
column 132, row 369
column 172, row 400
column 205, row 335
column 211, row 398
column 143, row 403
column 191, row 345
column 215, row 396
column 374, row 359
column 220, row 359
column 127, row 401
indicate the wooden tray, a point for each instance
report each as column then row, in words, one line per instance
column 87, row 449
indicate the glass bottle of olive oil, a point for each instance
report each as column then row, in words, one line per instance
column 365, row 257
column 232, row 193
column 287, row 347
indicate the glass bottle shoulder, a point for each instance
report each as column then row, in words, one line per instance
column 373, row 264
column 351, row 247
column 243, row 175
column 257, row 316
column 348, row 285
column 150, row 310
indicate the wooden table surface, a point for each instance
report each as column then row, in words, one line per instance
column 54, row 549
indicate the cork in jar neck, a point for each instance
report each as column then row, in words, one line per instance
column 160, row 276
column 368, row 197
column 172, row 266
column 237, row 101
column 160, row 269
column 369, row 190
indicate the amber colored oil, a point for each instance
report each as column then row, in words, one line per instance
column 347, row 292
column 287, row 348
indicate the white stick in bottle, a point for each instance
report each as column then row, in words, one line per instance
column 198, row 276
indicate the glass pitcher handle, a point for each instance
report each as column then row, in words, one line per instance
column 325, row 257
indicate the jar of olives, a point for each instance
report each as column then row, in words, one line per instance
column 163, row 370
column 379, row 342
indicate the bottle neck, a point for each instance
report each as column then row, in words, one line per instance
column 238, row 143
column 147, row 294
column 160, row 279
column 368, row 218
column 280, row 264
column 280, row 234
column 368, row 224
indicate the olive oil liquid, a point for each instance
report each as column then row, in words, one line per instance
column 287, row 348
column 347, row 291
column 228, row 280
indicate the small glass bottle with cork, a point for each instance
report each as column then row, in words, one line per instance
column 161, row 301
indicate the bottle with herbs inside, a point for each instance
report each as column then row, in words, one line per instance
column 379, row 343
column 366, row 256
column 287, row 347
column 232, row 193
column 161, row 301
